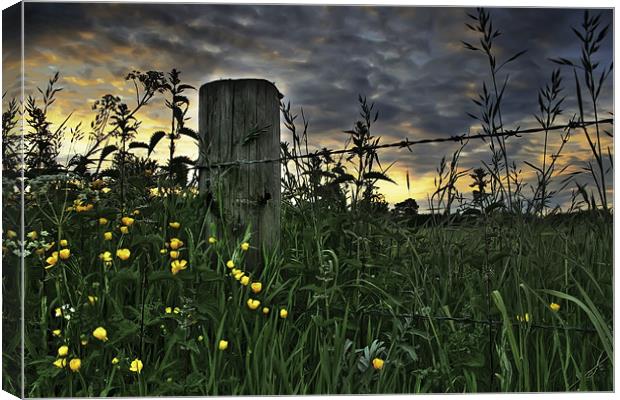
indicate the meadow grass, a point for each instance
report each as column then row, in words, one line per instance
column 356, row 288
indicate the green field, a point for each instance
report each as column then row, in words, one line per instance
column 356, row 287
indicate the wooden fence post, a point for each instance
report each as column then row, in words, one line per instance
column 240, row 120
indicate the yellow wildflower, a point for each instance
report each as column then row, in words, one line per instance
column 212, row 240
column 58, row 312
column 174, row 254
column 123, row 254
column 106, row 190
column 64, row 254
column 75, row 364
column 115, row 361
column 11, row 234
column 52, row 260
column 256, row 287
column 200, row 338
column 223, row 345
column 168, row 310
column 230, row 264
column 245, row 280
column 60, row 363
column 239, row 275
column 177, row 266
column 136, row 212
column 283, row 313
column 377, row 363
column 92, row 300
column 253, row 304
column 124, row 230
column 136, row 366
column 163, row 251
column 175, row 225
column 107, row 236
column 103, row 221
column 64, row 243
column 106, row 257
column 265, row 310
column 101, row 334
column 63, row 351
column 32, row 235
column 176, row 310
column 40, row 251
column 175, row 243
column 245, row 246
column 56, row 332
column 555, row 307
column 127, row 221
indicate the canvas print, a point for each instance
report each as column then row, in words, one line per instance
column 234, row 199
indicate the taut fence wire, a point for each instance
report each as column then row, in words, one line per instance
column 408, row 144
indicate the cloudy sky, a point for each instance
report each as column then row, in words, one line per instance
column 409, row 60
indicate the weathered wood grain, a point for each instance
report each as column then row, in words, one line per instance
column 247, row 195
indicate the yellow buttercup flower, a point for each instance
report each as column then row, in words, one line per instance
column 245, row 246
column 11, row 234
column 177, row 266
column 245, row 280
column 92, row 300
column 107, row 236
column 64, row 254
column 57, row 312
column 124, row 230
column 230, row 264
column 163, row 251
column 256, row 287
column 253, row 304
column 103, row 221
column 175, row 225
column 115, row 361
column 52, row 260
column 32, row 235
column 60, row 363
column 239, row 275
column 75, row 364
column 223, row 345
column 64, row 243
column 174, row 254
column 377, row 363
column 283, row 313
column 63, row 351
column 136, row 212
column 175, row 244
column 168, row 310
column 56, row 332
column 101, row 334
column 106, row 190
column 40, row 251
column 200, row 338
column 176, row 310
column 136, row 366
column 106, row 257
column 265, row 310
column 123, row 254
column 523, row 318
column 127, row 221
column 212, row 240
column 555, row 307
column 234, row 271
column 84, row 341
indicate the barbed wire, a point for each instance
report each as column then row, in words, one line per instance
column 407, row 144
column 487, row 322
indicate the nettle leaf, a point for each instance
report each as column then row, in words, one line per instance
column 378, row 175
column 155, row 138
column 138, row 145
column 189, row 133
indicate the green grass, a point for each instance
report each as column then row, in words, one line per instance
column 350, row 283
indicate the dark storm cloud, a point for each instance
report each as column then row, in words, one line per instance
column 410, row 61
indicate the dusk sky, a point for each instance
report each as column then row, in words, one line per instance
column 409, row 60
